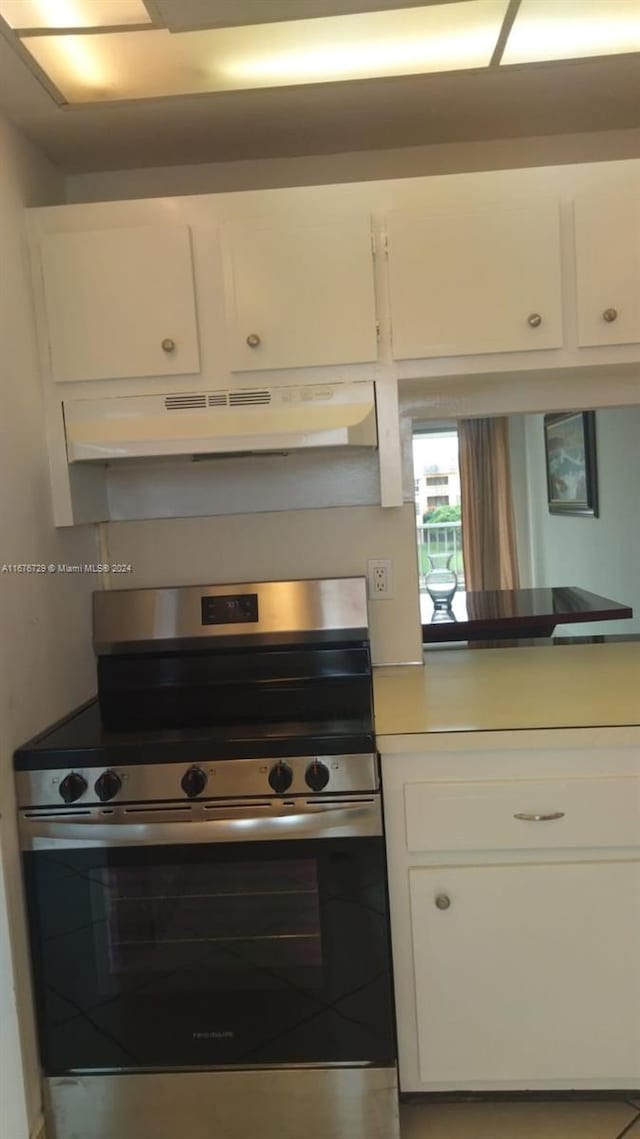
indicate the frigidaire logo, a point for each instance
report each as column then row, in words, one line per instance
column 213, row 1035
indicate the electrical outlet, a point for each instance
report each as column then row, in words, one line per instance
column 380, row 578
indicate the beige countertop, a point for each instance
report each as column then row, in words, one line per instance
column 471, row 690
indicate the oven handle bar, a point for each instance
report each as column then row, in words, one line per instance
column 347, row 820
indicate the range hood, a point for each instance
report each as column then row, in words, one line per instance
column 221, row 422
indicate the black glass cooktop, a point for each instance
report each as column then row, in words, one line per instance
column 81, row 740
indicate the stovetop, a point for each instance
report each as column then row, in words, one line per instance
column 81, row 740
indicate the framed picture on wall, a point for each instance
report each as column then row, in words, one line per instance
column 572, row 477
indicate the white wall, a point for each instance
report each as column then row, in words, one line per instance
column 599, row 554
column 288, row 544
column 46, row 665
column 361, row 166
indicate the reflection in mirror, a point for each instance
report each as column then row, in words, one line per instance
column 598, row 554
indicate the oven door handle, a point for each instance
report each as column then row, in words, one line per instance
column 344, row 820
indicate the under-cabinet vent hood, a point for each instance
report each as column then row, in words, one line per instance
column 221, row 422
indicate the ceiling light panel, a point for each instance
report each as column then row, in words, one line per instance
column 573, row 29
column 24, row 15
column 145, row 64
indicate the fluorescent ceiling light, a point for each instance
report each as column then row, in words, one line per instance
column 442, row 37
column 27, row 14
column 572, row 29
column 146, row 64
column 77, row 56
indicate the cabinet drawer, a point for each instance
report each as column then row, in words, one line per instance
column 594, row 812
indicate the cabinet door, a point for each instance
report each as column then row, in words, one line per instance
column 531, row 973
column 120, row 303
column 300, row 294
column 607, row 230
column 474, row 281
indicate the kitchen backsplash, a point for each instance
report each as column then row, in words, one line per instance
column 335, row 542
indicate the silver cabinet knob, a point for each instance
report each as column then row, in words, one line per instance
column 534, row 320
column 443, row 901
column 253, row 340
column 610, row 314
column 168, row 345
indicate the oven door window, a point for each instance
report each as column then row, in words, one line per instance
column 179, row 925
column 205, row 956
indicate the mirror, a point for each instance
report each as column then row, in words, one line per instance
column 599, row 554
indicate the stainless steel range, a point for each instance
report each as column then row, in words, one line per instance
column 205, row 873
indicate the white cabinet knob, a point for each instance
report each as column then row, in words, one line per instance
column 443, row 901
column 534, row 320
column 253, row 340
column 168, row 345
column 610, row 314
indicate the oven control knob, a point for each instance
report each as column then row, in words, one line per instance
column 280, row 777
column 107, row 786
column 72, row 787
column 193, row 782
column 317, row 775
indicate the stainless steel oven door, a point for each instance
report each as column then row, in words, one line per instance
column 196, row 936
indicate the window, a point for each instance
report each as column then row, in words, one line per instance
column 437, row 497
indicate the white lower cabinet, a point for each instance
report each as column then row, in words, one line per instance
column 529, row 973
column 514, row 884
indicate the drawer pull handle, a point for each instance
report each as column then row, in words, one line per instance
column 443, row 901
column 531, row 818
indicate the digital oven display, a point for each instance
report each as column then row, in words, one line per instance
column 231, row 609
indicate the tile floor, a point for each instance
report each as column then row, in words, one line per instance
column 611, row 1119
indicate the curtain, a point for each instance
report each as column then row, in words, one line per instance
column 488, row 529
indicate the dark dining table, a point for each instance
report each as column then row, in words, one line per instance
column 505, row 614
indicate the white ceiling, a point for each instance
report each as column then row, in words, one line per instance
column 541, row 99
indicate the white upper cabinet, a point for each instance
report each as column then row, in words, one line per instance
column 467, row 281
column 299, row 293
column 120, row 303
column 607, row 230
